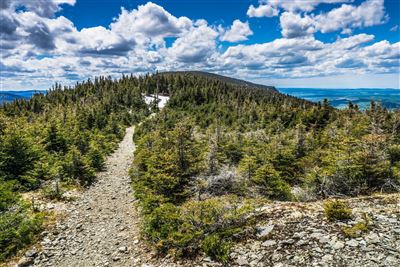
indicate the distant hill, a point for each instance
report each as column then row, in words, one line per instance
column 226, row 79
column 9, row 96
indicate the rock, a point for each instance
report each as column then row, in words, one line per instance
column 323, row 240
column 242, row 261
column 338, row 245
column 327, row 257
column 31, row 253
column 123, row 249
column 263, row 232
column 25, row 261
column 318, row 250
column 372, row 238
column 352, row 243
column 296, row 215
column 268, row 243
column 316, row 235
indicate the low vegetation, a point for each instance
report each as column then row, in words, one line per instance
column 337, row 210
column 216, row 139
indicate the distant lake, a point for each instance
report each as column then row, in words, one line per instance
column 339, row 98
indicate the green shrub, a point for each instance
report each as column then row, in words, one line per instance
column 359, row 228
column 337, row 210
column 161, row 223
column 18, row 155
column 217, row 248
column 18, row 230
column 8, row 198
column 196, row 226
column 77, row 167
column 96, row 157
column 272, row 184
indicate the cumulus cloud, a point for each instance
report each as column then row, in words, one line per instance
column 270, row 8
column 99, row 40
column 293, row 25
column 41, row 46
column 263, row 10
column 195, row 46
column 149, row 21
column 344, row 19
column 368, row 13
column 239, row 31
column 44, row 8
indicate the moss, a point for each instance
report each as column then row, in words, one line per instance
column 337, row 210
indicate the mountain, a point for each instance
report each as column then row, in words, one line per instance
column 9, row 96
column 226, row 79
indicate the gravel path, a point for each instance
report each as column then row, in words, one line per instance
column 99, row 228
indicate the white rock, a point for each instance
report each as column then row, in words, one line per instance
column 352, row 243
column 327, row 257
column 372, row 238
column 268, row 243
column 265, row 231
column 338, row 245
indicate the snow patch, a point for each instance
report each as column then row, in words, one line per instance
column 161, row 100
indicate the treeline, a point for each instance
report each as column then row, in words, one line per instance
column 56, row 140
column 217, row 149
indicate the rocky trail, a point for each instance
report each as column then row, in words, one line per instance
column 101, row 228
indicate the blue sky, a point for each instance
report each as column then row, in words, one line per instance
column 296, row 43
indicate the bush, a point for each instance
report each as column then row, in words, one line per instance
column 8, row 198
column 336, row 210
column 96, row 157
column 163, row 221
column 271, row 183
column 77, row 167
column 216, row 248
column 207, row 226
column 17, row 230
column 18, row 155
column 359, row 228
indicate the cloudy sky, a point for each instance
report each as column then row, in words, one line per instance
column 286, row 43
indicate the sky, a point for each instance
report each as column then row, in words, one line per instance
column 284, row 43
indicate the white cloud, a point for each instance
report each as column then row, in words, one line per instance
column 40, row 47
column 368, row 13
column 44, row 8
column 263, row 10
column 344, row 19
column 194, row 46
column 293, row 25
column 270, row 8
column 237, row 32
column 149, row 22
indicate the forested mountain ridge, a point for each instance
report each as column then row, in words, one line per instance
column 226, row 79
column 218, row 152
